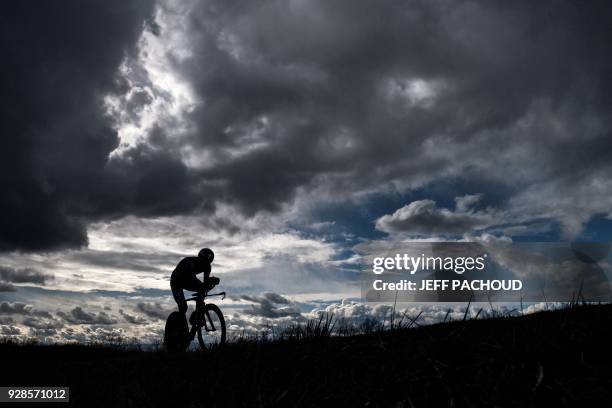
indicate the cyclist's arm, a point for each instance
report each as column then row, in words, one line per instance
column 206, row 270
column 193, row 284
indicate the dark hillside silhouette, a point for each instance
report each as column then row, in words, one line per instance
column 557, row 358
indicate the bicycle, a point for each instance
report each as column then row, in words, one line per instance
column 207, row 322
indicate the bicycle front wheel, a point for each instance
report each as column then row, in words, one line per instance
column 211, row 330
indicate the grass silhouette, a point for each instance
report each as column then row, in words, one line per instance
column 552, row 358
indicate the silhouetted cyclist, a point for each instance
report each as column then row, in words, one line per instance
column 184, row 276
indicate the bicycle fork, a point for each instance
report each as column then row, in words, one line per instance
column 210, row 321
column 205, row 317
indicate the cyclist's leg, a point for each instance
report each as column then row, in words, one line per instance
column 179, row 297
column 194, row 285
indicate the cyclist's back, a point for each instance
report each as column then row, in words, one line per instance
column 184, row 276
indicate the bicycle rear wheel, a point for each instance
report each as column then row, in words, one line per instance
column 211, row 331
column 176, row 333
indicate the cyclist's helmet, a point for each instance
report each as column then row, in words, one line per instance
column 207, row 254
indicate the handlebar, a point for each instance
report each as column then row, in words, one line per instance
column 202, row 295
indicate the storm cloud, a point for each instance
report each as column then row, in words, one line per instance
column 15, row 308
column 60, row 60
column 7, row 287
column 133, row 319
column 42, row 324
column 270, row 305
column 424, row 218
column 79, row 316
column 281, row 103
column 349, row 97
column 26, row 275
column 9, row 330
column 153, row 310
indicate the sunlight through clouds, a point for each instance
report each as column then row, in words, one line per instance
column 167, row 96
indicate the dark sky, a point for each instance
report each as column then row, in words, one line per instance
column 282, row 133
column 315, row 101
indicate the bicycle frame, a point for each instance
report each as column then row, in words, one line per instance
column 199, row 300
